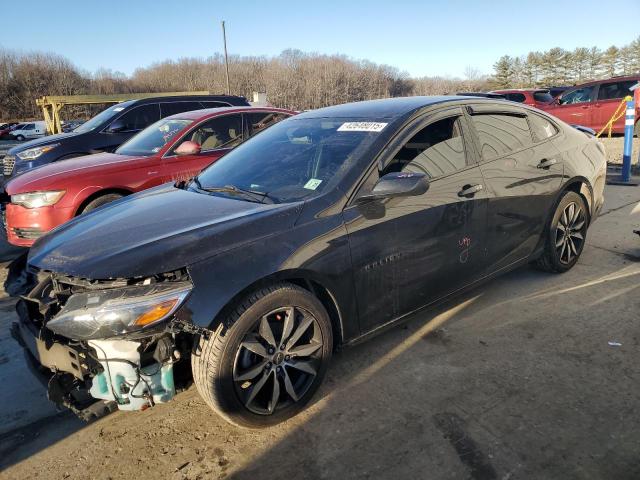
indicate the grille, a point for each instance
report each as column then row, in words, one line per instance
column 27, row 233
column 8, row 162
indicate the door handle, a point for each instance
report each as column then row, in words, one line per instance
column 546, row 163
column 470, row 190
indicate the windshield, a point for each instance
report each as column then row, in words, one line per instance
column 151, row 140
column 102, row 117
column 292, row 160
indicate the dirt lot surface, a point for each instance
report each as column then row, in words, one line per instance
column 531, row 376
column 614, row 147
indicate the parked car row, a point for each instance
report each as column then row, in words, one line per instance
column 590, row 104
column 172, row 149
column 316, row 232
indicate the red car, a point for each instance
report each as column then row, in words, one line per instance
column 536, row 97
column 172, row 149
column 593, row 104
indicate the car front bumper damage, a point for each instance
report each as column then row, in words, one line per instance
column 95, row 376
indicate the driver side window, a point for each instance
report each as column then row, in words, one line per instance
column 580, row 95
column 436, row 150
column 217, row 133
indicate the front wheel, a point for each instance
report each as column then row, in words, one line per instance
column 566, row 234
column 267, row 359
column 100, row 201
column 20, row 138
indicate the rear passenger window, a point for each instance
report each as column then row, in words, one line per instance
column 541, row 128
column 171, row 108
column 617, row 90
column 140, row 117
column 260, row 121
column 500, row 134
column 542, row 97
column 516, row 97
column 214, row 104
column 436, row 150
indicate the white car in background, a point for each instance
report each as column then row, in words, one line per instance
column 30, row 130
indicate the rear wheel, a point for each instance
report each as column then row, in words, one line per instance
column 566, row 235
column 266, row 364
column 103, row 200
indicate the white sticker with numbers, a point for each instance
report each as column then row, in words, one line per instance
column 361, row 127
column 312, row 184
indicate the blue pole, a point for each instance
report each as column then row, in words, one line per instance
column 628, row 139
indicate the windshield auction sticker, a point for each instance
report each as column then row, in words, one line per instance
column 312, row 184
column 361, row 127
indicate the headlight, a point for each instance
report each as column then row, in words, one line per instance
column 37, row 199
column 109, row 313
column 35, row 152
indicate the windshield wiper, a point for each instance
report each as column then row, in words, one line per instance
column 254, row 195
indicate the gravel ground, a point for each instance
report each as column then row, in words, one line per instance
column 614, row 147
column 532, row 375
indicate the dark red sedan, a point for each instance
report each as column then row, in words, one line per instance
column 172, row 149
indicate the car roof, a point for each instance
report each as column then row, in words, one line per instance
column 387, row 108
column 231, row 99
column 622, row 78
column 204, row 113
column 521, row 90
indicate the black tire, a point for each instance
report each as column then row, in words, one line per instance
column 98, row 202
column 20, row 138
column 215, row 361
column 565, row 237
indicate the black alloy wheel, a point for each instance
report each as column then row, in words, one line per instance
column 267, row 358
column 570, row 233
column 566, row 234
column 278, row 360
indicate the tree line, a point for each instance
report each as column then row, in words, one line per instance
column 563, row 67
column 293, row 79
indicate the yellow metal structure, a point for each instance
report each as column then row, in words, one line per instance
column 51, row 105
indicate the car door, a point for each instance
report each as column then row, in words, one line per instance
column 575, row 106
column 608, row 99
column 523, row 171
column 410, row 251
column 128, row 124
column 29, row 130
column 216, row 136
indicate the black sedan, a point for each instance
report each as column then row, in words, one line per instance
column 316, row 233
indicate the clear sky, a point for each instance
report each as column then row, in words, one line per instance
column 420, row 37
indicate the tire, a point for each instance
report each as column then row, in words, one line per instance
column 226, row 372
column 20, row 138
column 100, row 201
column 562, row 250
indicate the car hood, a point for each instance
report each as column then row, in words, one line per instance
column 156, row 231
column 51, row 175
column 39, row 142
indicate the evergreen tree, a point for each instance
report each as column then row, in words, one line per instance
column 504, row 73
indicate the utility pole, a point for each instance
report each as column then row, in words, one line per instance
column 226, row 58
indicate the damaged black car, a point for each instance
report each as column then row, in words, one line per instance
column 316, row 233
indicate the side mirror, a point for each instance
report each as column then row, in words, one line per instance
column 403, row 184
column 116, row 126
column 188, row 148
